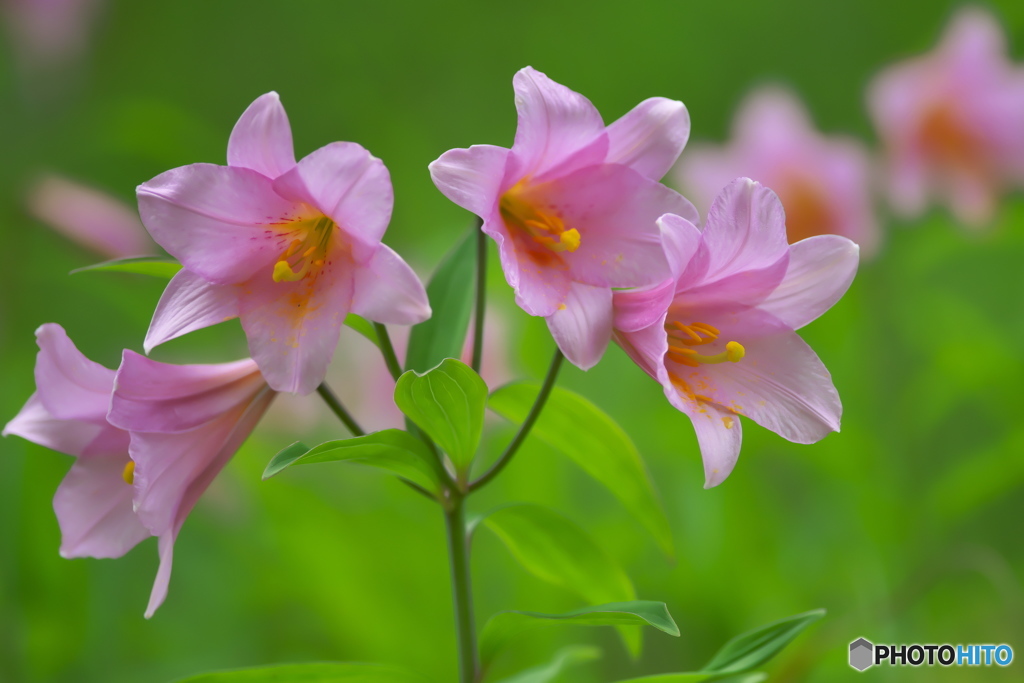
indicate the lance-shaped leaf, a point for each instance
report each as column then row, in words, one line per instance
column 154, row 266
column 580, row 430
column 450, row 292
column 504, row 627
column 446, row 402
column 750, row 650
column 391, row 449
column 363, row 327
column 312, row 673
column 556, row 550
column 566, row 658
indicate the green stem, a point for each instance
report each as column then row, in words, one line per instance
column 388, row 350
column 462, row 595
column 481, row 298
column 524, row 430
column 334, row 404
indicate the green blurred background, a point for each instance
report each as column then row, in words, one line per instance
column 906, row 526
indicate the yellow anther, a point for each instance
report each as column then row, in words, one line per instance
column 292, row 248
column 129, row 473
column 734, row 352
column 570, row 239
column 704, row 327
column 686, row 329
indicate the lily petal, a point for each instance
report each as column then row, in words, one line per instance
column 647, row 348
column 190, row 303
column 387, row 290
column 262, row 138
column 293, row 327
column 163, row 574
column 74, row 437
column 554, row 121
column 471, row 177
column 71, row 386
column 820, row 270
column 219, row 221
column 582, row 328
column 94, row 508
column 745, row 231
column 650, row 137
column 349, row 185
column 719, row 434
column 636, row 309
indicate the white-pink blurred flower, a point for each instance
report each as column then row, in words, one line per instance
column 952, row 122
column 49, row 33
column 89, row 217
column 823, row 181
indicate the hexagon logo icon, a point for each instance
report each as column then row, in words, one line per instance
column 861, row 654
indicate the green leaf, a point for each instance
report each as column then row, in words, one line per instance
column 580, row 430
column 692, row 677
column 554, row 549
column 142, row 265
column 504, row 627
column 363, row 327
column 447, row 402
column 311, row 673
column 567, row 657
column 390, row 449
column 451, row 298
column 750, row 650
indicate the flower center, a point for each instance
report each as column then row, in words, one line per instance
column 807, row 209
column 682, row 338
column 546, row 229
column 129, row 473
column 306, row 251
column 948, row 141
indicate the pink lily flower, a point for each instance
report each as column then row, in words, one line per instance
column 68, row 413
column 719, row 334
column 573, row 204
column 823, row 181
column 89, row 217
column 951, row 121
column 185, row 422
column 288, row 248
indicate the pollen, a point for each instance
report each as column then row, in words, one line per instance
column 128, row 474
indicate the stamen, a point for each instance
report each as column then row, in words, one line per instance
column 306, row 253
column 704, row 327
column 546, row 229
column 688, row 330
column 129, row 473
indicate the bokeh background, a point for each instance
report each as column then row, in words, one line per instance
column 906, row 526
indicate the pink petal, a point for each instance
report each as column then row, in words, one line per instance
column 780, row 383
column 647, row 348
column 173, row 470
column 161, row 397
column 262, row 138
column 163, row 574
column 349, row 185
column 35, row 423
column 220, row 222
column 540, row 281
column 471, row 177
column 71, row 386
column 92, row 218
column 687, row 255
column 746, row 230
column 190, row 303
column 554, row 121
column 719, row 434
column 94, row 508
column 293, row 327
column 615, row 211
column 636, row 309
column 820, row 271
column 650, row 137
column 386, row 290
column 583, row 326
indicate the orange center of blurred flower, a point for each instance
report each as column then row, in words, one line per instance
column 544, row 231
column 948, row 142
column 807, row 209
column 307, row 250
